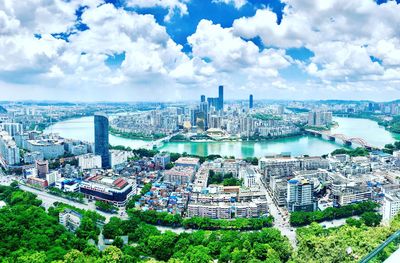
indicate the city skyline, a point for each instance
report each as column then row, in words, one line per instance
column 102, row 51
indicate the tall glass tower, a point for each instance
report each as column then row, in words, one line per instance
column 251, row 101
column 101, row 144
column 221, row 97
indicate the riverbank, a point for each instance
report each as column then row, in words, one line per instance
column 239, row 139
column 136, row 136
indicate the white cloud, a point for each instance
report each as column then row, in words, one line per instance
column 173, row 6
column 237, row 3
column 342, row 34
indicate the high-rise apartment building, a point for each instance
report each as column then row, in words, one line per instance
column 319, row 118
column 101, row 143
column 300, row 195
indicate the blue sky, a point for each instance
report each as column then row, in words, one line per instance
column 147, row 50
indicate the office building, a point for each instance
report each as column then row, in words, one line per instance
column 300, row 195
column 221, row 98
column 101, row 143
column 202, row 98
column 251, row 101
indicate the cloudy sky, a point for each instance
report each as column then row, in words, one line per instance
column 167, row 50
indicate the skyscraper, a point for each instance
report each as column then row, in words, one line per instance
column 300, row 195
column 220, row 97
column 203, row 98
column 101, row 145
column 251, row 101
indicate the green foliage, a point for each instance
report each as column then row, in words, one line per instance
column 305, row 218
column 359, row 151
column 156, row 218
column 238, row 223
column 232, row 182
column 141, row 152
column 146, row 188
column 136, row 135
column 225, row 179
column 178, row 138
column 113, row 228
column 28, row 233
column 266, row 117
column 106, row 207
column 252, row 160
column 316, row 244
column 76, row 196
column 371, row 218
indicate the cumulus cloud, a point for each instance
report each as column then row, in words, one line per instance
column 351, row 40
column 173, row 6
column 237, row 3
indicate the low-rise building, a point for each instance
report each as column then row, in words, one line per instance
column 179, row 175
column 113, row 190
column 70, row 219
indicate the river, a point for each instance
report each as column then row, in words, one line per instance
column 83, row 129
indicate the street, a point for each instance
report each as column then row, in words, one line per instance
column 280, row 222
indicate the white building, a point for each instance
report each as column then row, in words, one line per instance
column 52, row 177
column 249, row 177
column 32, row 157
column 9, row 152
column 391, row 205
column 12, row 128
column 118, row 157
column 300, row 195
column 70, row 219
column 89, row 161
column 51, row 148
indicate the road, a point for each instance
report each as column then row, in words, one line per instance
column 281, row 222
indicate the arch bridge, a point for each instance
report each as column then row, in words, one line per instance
column 346, row 140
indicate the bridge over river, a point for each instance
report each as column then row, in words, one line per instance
column 349, row 141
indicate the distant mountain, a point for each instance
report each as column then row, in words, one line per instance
column 2, row 110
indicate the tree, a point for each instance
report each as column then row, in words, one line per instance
column 113, row 228
column 118, row 242
column 106, row 207
column 112, row 254
column 160, row 246
column 197, row 254
column 371, row 218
